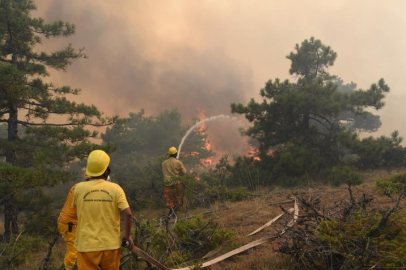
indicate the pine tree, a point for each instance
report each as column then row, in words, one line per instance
column 308, row 117
column 39, row 157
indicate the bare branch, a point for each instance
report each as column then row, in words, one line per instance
column 315, row 119
column 322, row 117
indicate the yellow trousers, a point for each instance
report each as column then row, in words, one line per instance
column 69, row 238
column 99, row 260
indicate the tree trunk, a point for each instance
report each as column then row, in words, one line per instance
column 10, row 208
column 10, row 218
column 47, row 259
column 12, row 132
column 306, row 126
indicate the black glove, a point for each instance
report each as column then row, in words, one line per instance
column 125, row 243
column 70, row 226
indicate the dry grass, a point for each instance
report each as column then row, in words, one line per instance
column 262, row 258
column 246, row 216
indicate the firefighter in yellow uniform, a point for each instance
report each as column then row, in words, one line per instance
column 67, row 223
column 98, row 203
column 172, row 168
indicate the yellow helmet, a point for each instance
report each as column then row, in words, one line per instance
column 172, row 151
column 97, row 163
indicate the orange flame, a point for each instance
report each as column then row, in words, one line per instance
column 207, row 145
column 253, row 152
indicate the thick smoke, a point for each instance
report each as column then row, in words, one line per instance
column 203, row 55
column 133, row 63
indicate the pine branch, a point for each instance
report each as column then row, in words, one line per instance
column 322, row 117
column 315, row 119
column 6, row 61
column 62, row 125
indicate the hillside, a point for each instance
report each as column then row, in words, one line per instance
column 249, row 215
column 244, row 217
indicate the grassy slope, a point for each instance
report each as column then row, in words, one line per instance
column 246, row 216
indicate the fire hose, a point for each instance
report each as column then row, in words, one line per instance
column 136, row 251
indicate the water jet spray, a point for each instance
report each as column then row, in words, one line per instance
column 221, row 116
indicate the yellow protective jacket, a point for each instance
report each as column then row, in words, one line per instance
column 68, row 213
column 171, row 169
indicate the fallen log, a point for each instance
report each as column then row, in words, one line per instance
column 143, row 255
column 269, row 223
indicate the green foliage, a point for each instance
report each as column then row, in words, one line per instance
column 347, row 234
column 199, row 232
column 188, row 240
column 380, row 152
column 228, row 182
column 311, row 60
column 196, row 237
column 147, row 191
column 307, row 126
column 353, row 246
column 140, row 138
column 293, row 164
column 143, row 184
column 343, row 175
column 247, row 172
column 220, row 174
column 393, row 185
column 143, row 143
column 365, row 122
column 237, row 194
column 19, row 250
column 194, row 192
column 23, row 67
column 37, row 152
column 43, row 219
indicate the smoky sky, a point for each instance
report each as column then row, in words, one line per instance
column 133, row 63
column 202, row 55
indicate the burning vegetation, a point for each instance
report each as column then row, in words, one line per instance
column 302, row 131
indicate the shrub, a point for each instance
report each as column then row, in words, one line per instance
column 295, row 163
column 344, row 175
column 393, row 185
column 194, row 192
column 347, row 234
column 188, row 240
column 19, row 250
column 198, row 236
column 380, row 152
column 355, row 242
